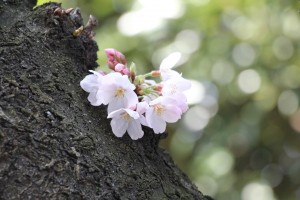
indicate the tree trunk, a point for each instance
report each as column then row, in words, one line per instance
column 53, row 143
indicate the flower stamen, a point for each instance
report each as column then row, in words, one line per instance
column 126, row 117
column 120, row 92
column 159, row 109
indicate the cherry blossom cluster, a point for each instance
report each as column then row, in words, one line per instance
column 133, row 100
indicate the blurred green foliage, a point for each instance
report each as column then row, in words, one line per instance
column 241, row 137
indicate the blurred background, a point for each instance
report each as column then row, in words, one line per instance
column 240, row 139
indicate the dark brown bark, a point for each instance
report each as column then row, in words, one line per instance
column 53, row 144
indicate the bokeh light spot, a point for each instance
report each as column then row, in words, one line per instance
column 223, row 72
column 291, row 24
column 257, row 191
column 249, row 81
column 287, row 102
column 273, row 174
column 207, row 185
column 188, row 41
column 243, row 54
column 283, row 48
column 136, row 22
column 220, row 162
column 243, row 27
column 196, row 118
column 147, row 16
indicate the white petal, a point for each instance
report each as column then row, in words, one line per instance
column 184, row 84
column 131, row 99
column 142, row 107
column 90, row 83
column 148, row 115
column 115, row 104
column 118, row 126
column 155, row 122
column 164, row 100
column 97, row 73
column 132, row 113
column 125, row 83
column 170, row 61
column 111, row 78
column 143, row 121
column 159, row 125
column 171, row 114
column 106, row 93
column 93, row 99
column 115, row 113
column 135, row 130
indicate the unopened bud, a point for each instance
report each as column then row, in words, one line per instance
column 158, row 87
column 155, row 73
column 115, row 55
column 119, row 67
column 126, row 72
column 132, row 70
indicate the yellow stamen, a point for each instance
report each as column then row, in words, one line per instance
column 159, row 109
column 126, row 117
column 119, row 92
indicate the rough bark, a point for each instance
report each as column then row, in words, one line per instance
column 53, row 144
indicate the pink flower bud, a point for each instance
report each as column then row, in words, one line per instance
column 114, row 55
column 119, row 67
column 155, row 73
column 158, row 88
column 109, row 52
column 126, row 72
column 111, row 64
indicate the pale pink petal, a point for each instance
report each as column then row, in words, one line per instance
column 149, row 113
column 119, row 67
column 115, row 104
column 90, row 83
column 105, row 94
column 118, row 126
column 184, row 84
column 155, row 122
column 143, row 121
column 132, row 113
column 115, row 113
column 135, row 130
column 168, row 74
column 131, row 98
column 111, row 78
column 171, row 114
column 165, row 100
column 142, row 107
column 170, row 61
column 183, row 106
column 158, row 125
column 124, row 82
column 93, row 99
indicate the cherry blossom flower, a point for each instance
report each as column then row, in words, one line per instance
column 92, row 83
column 175, row 86
column 133, row 100
column 167, row 64
column 141, row 108
column 117, row 91
column 126, row 120
column 162, row 110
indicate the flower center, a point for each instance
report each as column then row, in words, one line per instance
column 120, row 92
column 126, row 117
column 159, row 109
